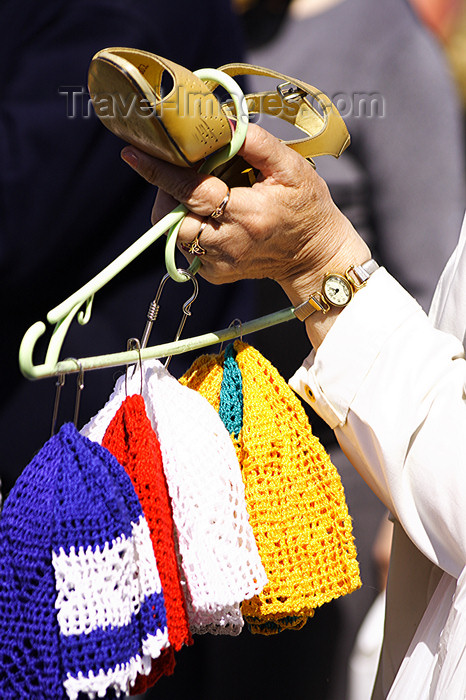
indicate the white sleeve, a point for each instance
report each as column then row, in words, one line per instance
column 393, row 388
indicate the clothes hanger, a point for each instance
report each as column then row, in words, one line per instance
column 326, row 134
column 62, row 315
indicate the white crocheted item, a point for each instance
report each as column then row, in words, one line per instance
column 104, row 588
column 219, row 561
column 96, row 427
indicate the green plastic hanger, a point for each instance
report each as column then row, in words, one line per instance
column 63, row 314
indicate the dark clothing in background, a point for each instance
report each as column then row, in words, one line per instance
column 69, row 205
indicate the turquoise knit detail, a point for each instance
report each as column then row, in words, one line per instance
column 231, row 394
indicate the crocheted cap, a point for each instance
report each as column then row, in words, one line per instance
column 98, row 424
column 219, row 557
column 30, row 658
column 295, row 497
column 130, row 438
column 110, row 605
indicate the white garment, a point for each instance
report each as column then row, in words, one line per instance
column 394, row 389
column 366, row 651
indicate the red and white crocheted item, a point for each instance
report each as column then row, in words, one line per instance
column 218, row 554
column 131, row 439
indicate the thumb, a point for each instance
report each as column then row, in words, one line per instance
column 271, row 156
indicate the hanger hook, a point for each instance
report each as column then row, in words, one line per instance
column 236, row 322
column 59, row 384
column 79, row 388
column 133, row 344
column 186, row 308
column 155, row 306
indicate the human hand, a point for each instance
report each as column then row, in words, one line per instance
column 285, row 227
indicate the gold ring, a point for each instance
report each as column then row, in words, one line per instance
column 195, row 248
column 217, row 213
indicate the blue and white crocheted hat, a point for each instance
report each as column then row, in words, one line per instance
column 82, row 549
column 30, row 658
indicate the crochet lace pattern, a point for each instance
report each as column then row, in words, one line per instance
column 219, row 561
column 110, row 604
column 30, row 656
column 231, row 394
column 294, row 495
column 130, row 438
column 80, row 597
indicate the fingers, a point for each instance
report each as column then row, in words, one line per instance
column 164, row 203
column 219, row 248
column 261, row 231
column 191, row 227
column 202, row 230
column 200, row 193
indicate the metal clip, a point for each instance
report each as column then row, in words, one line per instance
column 289, row 92
column 79, row 387
column 134, row 344
column 237, row 324
column 154, row 309
column 59, row 384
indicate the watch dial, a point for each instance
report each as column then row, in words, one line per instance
column 337, row 290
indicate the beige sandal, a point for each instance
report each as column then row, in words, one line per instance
column 189, row 124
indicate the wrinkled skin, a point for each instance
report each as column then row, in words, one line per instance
column 285, row 227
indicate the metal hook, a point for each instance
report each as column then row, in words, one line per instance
column 133, row 344
column 59, row 383
column 155, row 306
column 236, row 322
column 186, row 311
column 79, row 388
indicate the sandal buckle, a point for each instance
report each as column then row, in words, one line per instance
column 289, row 92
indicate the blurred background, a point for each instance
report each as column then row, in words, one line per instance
column 69, row 205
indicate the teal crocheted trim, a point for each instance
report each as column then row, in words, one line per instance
column 231, row 394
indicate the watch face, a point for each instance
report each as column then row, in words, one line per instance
column 337, row 290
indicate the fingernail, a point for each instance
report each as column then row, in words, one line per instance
column 130, row 157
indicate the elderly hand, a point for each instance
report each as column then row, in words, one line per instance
column 285, row 227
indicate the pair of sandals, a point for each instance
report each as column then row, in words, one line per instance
column 173, row 114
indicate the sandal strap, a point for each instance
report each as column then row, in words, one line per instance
column 326, row 130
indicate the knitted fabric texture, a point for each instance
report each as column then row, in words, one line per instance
column 30, row 657
column 110, row 604
column 219, row 561
column 81, row 608
column 130, row 438
column 294, row 495
column 231, row 394
column 163, row 666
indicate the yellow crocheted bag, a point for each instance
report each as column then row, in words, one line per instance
column 294, row 495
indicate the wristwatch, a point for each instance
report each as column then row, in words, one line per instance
column 337, row 290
